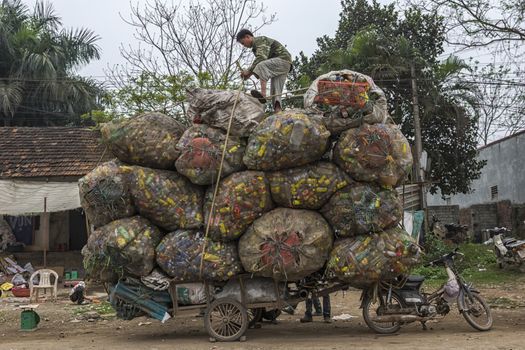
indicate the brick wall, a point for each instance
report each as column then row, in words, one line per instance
column 447, row 214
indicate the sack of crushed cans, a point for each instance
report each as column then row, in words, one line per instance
column 286, row 244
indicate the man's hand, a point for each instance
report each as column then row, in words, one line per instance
column 245, row 74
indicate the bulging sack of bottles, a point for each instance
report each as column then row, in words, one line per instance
column 104, row 194
column 181, row 254
column 166, row 198
column 131, row 243
column 374, row 153
column 286, row 244
column 201, row 153
column 362, row 208
column 307, row 187
column 96, row 263
column 365, row 259
column 287, row 139
column 214, row 108
column 241, row 198
column 148, row 139
column 347, row 99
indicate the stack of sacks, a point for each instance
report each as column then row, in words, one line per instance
column 317, row 196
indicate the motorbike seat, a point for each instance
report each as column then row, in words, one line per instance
column 415, row 279
column 508, row 240
column 514, row 243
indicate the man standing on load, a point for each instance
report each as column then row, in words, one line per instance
column 272, row 61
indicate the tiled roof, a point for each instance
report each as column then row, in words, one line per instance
column 27, row 152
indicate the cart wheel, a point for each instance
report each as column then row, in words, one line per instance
column 226, row 319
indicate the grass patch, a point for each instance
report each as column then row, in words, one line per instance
column 104, row 308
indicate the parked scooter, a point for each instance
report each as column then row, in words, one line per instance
column 454, row 233
column 389, row 305
column 509, row 251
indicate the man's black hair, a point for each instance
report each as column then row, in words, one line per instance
column 242, row 33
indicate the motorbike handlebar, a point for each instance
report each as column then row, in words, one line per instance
column 445, row 257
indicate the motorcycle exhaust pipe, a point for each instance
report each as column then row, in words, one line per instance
column 399, row 318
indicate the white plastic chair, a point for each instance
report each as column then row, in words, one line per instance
column 45, row 284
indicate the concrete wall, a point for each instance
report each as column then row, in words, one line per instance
column 447, row 214
column 505, row 169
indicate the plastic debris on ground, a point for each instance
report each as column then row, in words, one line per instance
column 179, row 254
column 365, row 259
column 104, row 194
column 362, row 208
column 201, row 152
column 165, row 197
column 307, row 187
column 241, row 198
column 127, row 244
column 347, row 99
column 148, row 139
column 374, row 153
column 214, row 108
column 286, row 244
column 287, row 139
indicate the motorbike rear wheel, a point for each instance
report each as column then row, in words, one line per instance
column 372, row 309
column 476, row 308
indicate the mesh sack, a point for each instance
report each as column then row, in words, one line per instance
column 287, row 139
column 374, row 153
column 168, row 199
column 366, row 259
column 179, row 254
column 104, row 194
column 307, row 187
column 347, row 99
column 201, row 152
column 214, row 108
column 131, row 243
column 241, row 198
column 362, row 208
column 148, row 139
column 286, row 244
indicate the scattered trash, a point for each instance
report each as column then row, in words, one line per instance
column 343, row 317
column 144, row 323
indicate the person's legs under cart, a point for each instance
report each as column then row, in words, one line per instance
column 308, row 312
column 327, row 311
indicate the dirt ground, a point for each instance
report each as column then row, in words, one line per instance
column 59, row 329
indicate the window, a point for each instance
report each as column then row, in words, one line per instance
column 494, row 192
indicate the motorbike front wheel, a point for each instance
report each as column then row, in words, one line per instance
column 372, row 308
column 476, row 311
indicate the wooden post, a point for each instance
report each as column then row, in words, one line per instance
column 45, row 230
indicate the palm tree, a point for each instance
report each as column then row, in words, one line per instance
column 38, row 60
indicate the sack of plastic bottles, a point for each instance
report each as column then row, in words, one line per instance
column 104, row 194
column 347, row 99
column 241, row 198
column 166, row 198
column 286, row 244
column 180, row 253
column 201, row 153
column 284, row 140
column 148, row 139
column 374, row 153
column 307, row 187
column 362, row 208
column 365, row 259
column 214, row 108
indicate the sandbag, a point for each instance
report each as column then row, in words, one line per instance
column 241, row 198
column 104, row 194
column 179, row 255
column 201, row 152
column 286, row 244
column 307, row 187
column 130, row 244
column 366, row 259
column 214, row 108
column 362, row 208
column 347, row 99
column 374, row 153
column 168, row 199
column 148, row 139
column 287, row 139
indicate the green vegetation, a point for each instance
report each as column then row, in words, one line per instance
column 104, row 308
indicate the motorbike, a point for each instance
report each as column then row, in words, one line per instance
column 390, row 304
column 455, row 233
column 509, row 251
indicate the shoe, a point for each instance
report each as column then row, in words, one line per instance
column 258, row 96
column 327, row 319
column 289, row 310
column 317, row 313
column 306, row 319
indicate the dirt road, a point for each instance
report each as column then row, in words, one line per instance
column 56, row 331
